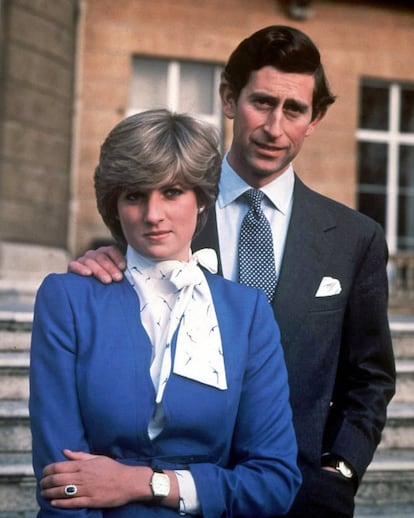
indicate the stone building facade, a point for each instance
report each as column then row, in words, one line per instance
column 94, row 59
column 38, row 42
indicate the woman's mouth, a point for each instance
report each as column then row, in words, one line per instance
column 157, row 234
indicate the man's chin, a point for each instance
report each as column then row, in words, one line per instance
column 266, row 169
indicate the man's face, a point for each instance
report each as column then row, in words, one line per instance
column 271, row 119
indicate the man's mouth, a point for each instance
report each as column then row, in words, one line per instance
column 268, row 147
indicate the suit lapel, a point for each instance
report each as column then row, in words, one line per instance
column 307, row 252
column 208, row 237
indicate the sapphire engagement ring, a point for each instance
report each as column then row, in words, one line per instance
column 70, row 490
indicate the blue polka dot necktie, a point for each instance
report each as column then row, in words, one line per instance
column 256, row 256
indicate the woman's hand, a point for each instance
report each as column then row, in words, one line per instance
column 100, row 481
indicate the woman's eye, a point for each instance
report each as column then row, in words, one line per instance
column 133, row 196
column 173, row 192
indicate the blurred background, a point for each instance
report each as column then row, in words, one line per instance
column 71, row 69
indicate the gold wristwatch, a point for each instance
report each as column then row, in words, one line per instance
column 160, row 485
column 343, row 468
column 338, row 464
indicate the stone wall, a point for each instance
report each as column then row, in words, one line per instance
column 36, row 107
column 51, row 126
column 356, row 39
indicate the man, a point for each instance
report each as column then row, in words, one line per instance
column 331, row 295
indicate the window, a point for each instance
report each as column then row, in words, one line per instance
column 386, row 159
column 183, row 86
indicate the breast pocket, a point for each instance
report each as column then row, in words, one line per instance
column 328, row 303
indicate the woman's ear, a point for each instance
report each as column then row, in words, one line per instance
column 228, row 101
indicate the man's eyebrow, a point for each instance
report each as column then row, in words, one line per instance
column 297, row 105
column 264, row 95
column 301, row 106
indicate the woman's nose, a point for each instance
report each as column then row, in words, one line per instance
column 154, row 207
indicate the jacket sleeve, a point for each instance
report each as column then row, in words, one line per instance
column 54, row 410
column 366, row 382
column 263, row 477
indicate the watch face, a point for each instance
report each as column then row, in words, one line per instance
column 160, row 484
column 344, row 469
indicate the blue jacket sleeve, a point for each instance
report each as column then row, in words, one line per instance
column 56, row 422
column 263, row 477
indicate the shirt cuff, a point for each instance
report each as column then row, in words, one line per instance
column 189, row 502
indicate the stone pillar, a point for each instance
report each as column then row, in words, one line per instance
column 37, row 49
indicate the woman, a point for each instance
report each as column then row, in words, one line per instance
column 166, row 393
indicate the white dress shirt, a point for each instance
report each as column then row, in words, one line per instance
column 230, row 211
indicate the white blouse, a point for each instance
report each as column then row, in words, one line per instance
column 175, row 294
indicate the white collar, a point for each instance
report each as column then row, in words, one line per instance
column 232, row 186
column 199, row 353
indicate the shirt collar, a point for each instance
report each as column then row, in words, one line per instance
column 205, row 257
column 138, row 261
column 231, row 187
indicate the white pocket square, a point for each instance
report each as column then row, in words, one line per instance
column 328, row 287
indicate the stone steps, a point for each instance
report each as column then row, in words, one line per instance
column 382, row 510
column 399, row 431
column 14, row 427
column 14, row 375
column 17, row 482
column 17, row 486
column 386, row 491
column 388, row 486
column 405, row 380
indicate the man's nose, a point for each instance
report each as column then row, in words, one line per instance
column 274, row 122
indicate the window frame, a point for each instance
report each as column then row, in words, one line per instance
column 393, row 138
column 173, row 89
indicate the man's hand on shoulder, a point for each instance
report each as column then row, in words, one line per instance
column 106, row 263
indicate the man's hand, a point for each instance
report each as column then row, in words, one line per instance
column 105, row 263
column 100, row 482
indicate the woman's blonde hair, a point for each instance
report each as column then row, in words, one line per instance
column 153, row 149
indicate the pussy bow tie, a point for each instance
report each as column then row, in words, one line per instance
column 189, row 273
column 199, row 353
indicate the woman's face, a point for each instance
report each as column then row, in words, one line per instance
column 159, row 224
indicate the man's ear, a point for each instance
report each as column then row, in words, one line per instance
column 313, row 124
column 228, row 101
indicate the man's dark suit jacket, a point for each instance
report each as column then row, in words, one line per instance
column 337, row 348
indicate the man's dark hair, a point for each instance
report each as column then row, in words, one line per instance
column 286, row 49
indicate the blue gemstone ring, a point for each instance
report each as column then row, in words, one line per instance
column 70, row 490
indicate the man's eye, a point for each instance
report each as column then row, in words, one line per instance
column 294, row 110
column 262, row 103
column 292, row 113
